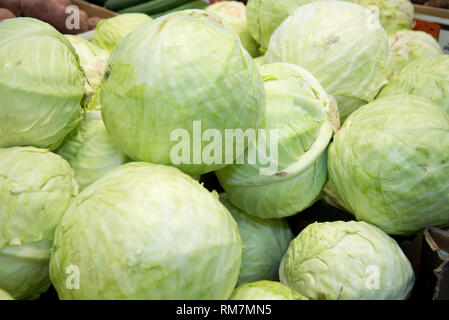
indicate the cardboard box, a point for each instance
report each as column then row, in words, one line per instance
column 93, row 10
column 429, row 255
column 434, row 21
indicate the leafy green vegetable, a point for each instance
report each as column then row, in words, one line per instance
column 36, row 187
column 189, row 5
column 93, row 61
column 90, row 150
column 155, row 6
column 259, row 60
column 300, row 110
column 265, row 290
column 264, row 243
column 426, row 77
column 5, row 296
column 342, row 44
column 264, row 16
column 110, row 32
column 395, row 15
column 407, row 46
column 41, row 85
column 146, row 231
column 346, row 261
column 390, row 164
column 184, row 67
column 234, row 13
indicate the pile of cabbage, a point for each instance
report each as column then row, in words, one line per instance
column 107, row 147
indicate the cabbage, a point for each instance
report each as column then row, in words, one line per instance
column 407, row 46
column 389, row 164
column 93, row 60
column 264, row 16
column 395, row 15
column 342, row 44
column 146, row 231
column 264, row 243
column 265, row 290
column 109, row 32
column 41, row 85
column 346, row 261
column 90, row 150
column 426, row 77
column 5, row 296
column 158, row 83
column 299, row 108
column 259, row 60
column 36, row 187
column 234, row 13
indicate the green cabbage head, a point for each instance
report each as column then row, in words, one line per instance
column 234, row 13
column 161, row 91
column 390, row 164
column 36, row 187
column 342, row 44
column 90, row 150
column 395, row 15
column 41, row 85
column 265, row 290
column 146, row 231
column 264, row 16
column 300, row 110
column 5, row 295
column 259, row 60
column 93, row 60
column 264, row 244
column 407, row 46
column 426, row 77
column 346, row 261
column 110, row 32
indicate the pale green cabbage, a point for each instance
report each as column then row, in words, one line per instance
column 264, row 244
column 265, row 290
column 90, row 150
column 36, row 187
column 426, row 77
column 234, row 13
column 5, row 296
column 342, row 44
column 395, row 15
column 109, row 32
column 93, row 60
column 259, row 60
column 346, row 261
column 407, row 46
column 264, row 16
column 390, row 164
column 41, row 85
column 299, row 108
column 159, row 81
column 146, row 231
